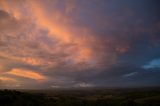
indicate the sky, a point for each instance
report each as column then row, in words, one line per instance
column 47, row 44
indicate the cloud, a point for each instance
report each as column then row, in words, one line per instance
column 27, row 74
column 7, row 79
column 7, row 82
column 73, row 41
column 84, row 85
column 130, row 74
column 153, row 64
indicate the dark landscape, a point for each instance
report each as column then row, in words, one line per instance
column 81, row 97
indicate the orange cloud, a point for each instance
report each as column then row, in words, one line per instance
column 7, row 79
column 31, row 61
column 27, row 60
column 27, row 74
column 9, row 82
column 56, row 28
column 59, row 26
column 13, row 7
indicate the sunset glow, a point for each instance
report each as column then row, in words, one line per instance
column 78, row 43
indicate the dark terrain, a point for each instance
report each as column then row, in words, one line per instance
column 81, row 97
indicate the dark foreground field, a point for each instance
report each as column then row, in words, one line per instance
column 83, row 97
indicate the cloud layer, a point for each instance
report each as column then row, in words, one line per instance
column 71, row 43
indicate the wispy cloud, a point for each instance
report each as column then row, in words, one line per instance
column 27, row 74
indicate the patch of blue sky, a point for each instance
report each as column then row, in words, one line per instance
column 153, row 64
